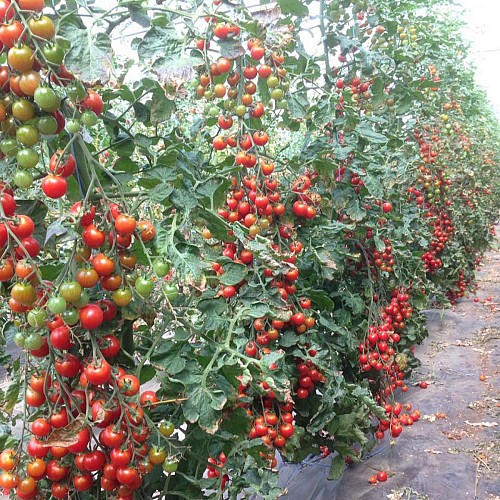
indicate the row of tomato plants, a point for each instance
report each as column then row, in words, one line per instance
column 261, row 250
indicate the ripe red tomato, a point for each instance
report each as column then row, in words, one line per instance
column 60, row 418
column 22, row 226
column 127, row 475
column 103, row 264
column 54, row 186
column 91, row 316
column 37, row 448
column 125, row 224
column 83, row 482
column 286, row 430
column 128, row 384
column 12, row 32
column 148, row 397
column 387, row 207
column 60, row 338
column 112, row 437
column 41, row 427
column 120, row 457
column 147, row 230
column 382, row 476
column 94, row 102
column 59, row 490
column 34, row 399
column 56, row 471
column 98, row 372
column 83, row 440
column 95, row 461
column 93, row 237
column 109, row 346
column 64, row 165
column 67, row 366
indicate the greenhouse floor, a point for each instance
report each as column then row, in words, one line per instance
column 453, row 451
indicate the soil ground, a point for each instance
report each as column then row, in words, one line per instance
column 453, row 451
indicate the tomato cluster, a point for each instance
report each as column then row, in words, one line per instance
column 379, row 353
column 214, row 469
column 39, row 96
column 71, row 327
column 88, row 421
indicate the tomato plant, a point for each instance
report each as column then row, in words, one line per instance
column 251, row 227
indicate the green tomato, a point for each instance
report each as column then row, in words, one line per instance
column 161, row 267
column 73, row 125
column 170, row 465
column 27, row 158
column 37, row 317
column 229, row 104
column 143, row 286
column 47, row 99
column 170, row 291
column 33, row 341
column 70, row 316
column 167, row 428
column 89, row 118
column 240, row 110
column 9, row 147
column 83, row 300
column 282, row 104
column 277, row 94
column 273, row 81
column 71, row 291
column 23, row 179
column 56, row 305
column 53, row 54
column 47, row 125
column 213, row 111
column 28, row 135
column 19, row 339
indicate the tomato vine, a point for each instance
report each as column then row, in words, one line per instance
column 225, row 258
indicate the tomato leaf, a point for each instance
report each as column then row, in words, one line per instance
column 234, row 273
column 294, row 7
column 366, row 132
column 337, row 468
column 204, row 406
column 91, row 54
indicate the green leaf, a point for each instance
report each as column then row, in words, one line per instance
column 147, row 373
column 298, row 105
column 231, row 48
column 355, row 212
column 204, row 406
column 12, row 394
column 374, row 186
column 218, row 226
column 379, row 244
column 337, row 468
column 165, row 50
column 91, row 54
column 161, row 107
column 366, row 132
column 234, row 273
column 294, row 7
column 167, row 356
column 126, row 165
column 51, row 271
column 321, row 299
column 183, row 199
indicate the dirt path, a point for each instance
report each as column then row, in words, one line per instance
column 453, row 451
